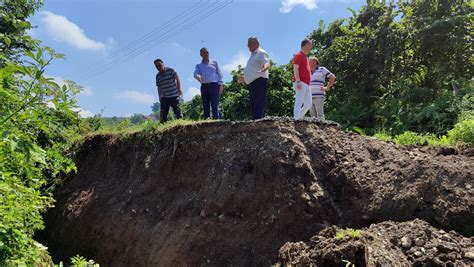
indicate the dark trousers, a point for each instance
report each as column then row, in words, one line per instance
column 210, row 96
column 165, row 104
column 258, row 95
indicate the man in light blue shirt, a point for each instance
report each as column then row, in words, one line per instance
column 209, row 75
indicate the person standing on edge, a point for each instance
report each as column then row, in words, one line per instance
column 169, row 90
column 209, row 75
column 301, row 80
column 256, row 76
column 318, row 90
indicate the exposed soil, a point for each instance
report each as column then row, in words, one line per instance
column 225, row 193
column 412, row 243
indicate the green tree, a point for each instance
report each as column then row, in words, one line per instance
column 13, row 27
column 137, row 118
column 235, row 101
column 397, row 65
column 37, row 125
column 193, row 108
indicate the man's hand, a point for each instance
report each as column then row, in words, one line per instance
column 180, row 93
column 326, row 88
column 199, row 78
column 265, row 67
column 298, row 85
column 221, row 88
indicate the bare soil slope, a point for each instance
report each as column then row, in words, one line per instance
column 412, row 243
column 225, row 193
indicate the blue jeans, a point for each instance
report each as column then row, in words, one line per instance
column 210, row 96
column 258, row 96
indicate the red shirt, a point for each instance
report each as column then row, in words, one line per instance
column 304, row 70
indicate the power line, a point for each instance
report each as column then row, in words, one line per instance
column 150, row 34
column 142, row 48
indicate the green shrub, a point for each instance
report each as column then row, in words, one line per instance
column 383, row 135
column 463, row 132
column 412, row 138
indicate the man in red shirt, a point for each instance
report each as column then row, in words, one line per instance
column 301, row 80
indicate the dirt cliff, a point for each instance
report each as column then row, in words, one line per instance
column 225, row 193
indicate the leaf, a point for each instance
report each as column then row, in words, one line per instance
column 13, row 145
column 7, row 40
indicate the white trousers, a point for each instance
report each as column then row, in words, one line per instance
column 317, row 109
column 303, row 100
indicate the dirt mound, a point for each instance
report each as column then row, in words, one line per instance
column 233, row 193
column 412, row 243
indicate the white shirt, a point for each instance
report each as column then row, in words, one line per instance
column 318, row 78
column 255, row 63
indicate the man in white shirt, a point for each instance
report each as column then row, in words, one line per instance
column 256, row 76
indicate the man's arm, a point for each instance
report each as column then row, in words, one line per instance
column 220, row 77
column 297, row 75
column 159, row 92
column 178, row 83
column 197, row 74
column 332, row 79
column 266, row 62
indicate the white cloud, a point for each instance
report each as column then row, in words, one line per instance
column 84, row 113
column 63, row 30
column 190, row 93
column 239, row 59
column 180, row 47
column 86, row 91
column 136, row 97
column 288, row 5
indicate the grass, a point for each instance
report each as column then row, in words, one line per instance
column 342, row 233
column 125, row 128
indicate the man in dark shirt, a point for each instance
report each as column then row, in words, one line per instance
column 169, row 90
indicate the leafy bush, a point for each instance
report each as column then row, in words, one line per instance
column 463, row 132
column 36, row 126
column 383, row 136
column 412, row 138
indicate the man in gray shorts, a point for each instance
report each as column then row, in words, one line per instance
column 318, row 90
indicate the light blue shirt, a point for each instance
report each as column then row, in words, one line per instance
column 210, row 72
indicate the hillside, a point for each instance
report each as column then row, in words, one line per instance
column 233, row 193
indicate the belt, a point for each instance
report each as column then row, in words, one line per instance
column 211, row 83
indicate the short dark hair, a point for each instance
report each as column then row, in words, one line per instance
column 158, row 60
column 305, row 41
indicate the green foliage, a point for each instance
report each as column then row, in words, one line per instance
column 235, row 101
column 384, row 136
column 137, row 119
column 462, row 133
column 80, row 261
column 13, row 26
column 342, row 233
column 36, row 124
column 395, row 70
column 412, row 138
column 193, row 109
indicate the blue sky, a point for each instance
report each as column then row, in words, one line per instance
column 110, row 45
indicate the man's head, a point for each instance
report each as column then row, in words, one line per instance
column 253, row 43
column 160, row 66
column 313, row 63
column 204, row 54
column 306, row 46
